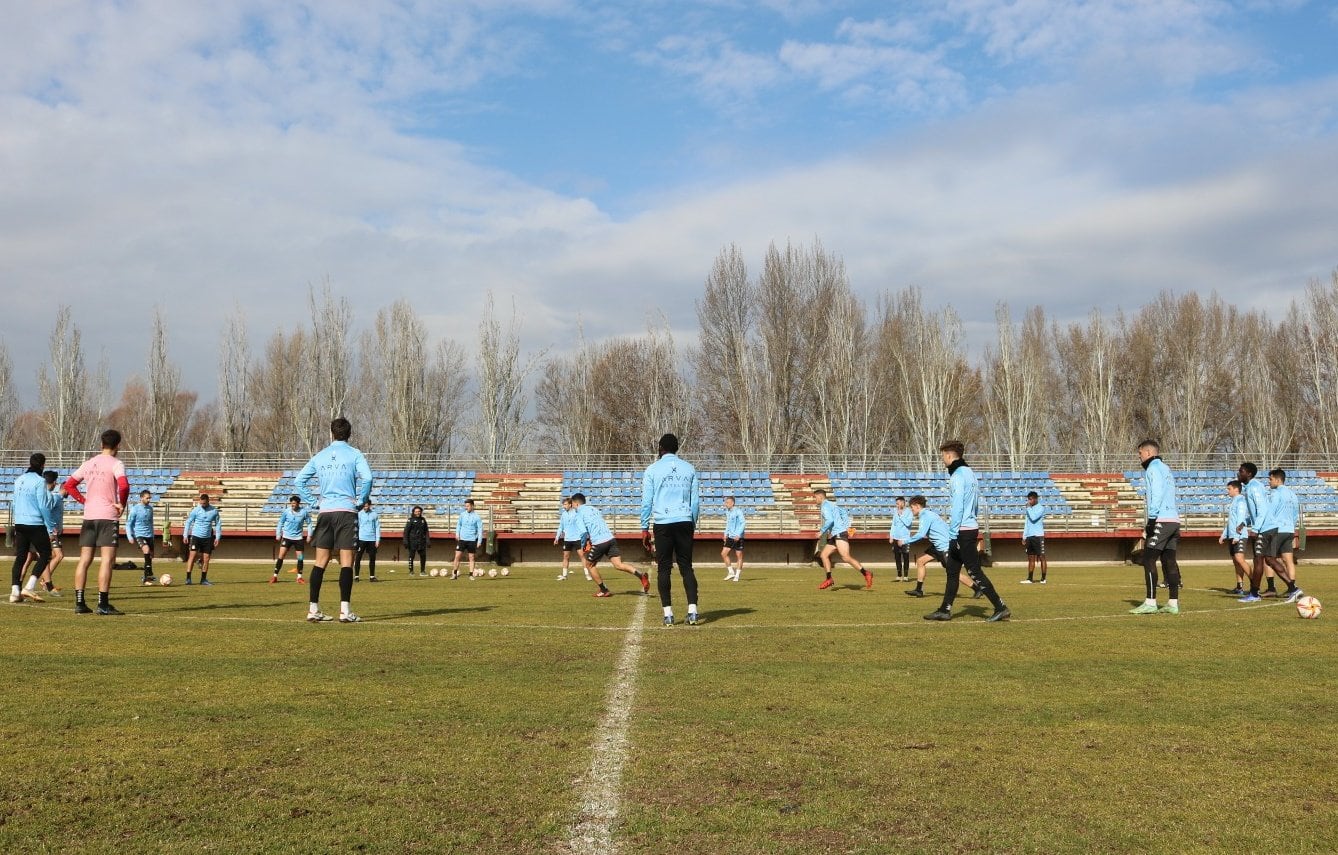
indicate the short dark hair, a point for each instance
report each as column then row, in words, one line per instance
column 578, row 497
column 1033, row 495
column 341, row 429
column 1150, row 443
column 469, row 502
column 669, row 444
column 919, row 500
column 1234, row 483
column 901, row 498
column 820, row 492
column 367, row 503
column 418, row 508
column 36, row 462
column 955, row 446
column 1280, row 474
column 111, row 438
column 295, row 498
column 731, row 498
column 143, row 493
column 1250, row 468
column 204, row 496
column 51, row 476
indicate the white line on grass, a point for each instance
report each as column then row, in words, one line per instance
column 601, row 787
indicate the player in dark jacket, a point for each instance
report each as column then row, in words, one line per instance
column 416, row 538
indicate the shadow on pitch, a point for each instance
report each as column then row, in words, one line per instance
column 431, row 613
column 210, row 607
column 723, row 614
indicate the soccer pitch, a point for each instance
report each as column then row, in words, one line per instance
column 470, row 716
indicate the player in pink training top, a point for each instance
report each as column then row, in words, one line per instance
column 108, row 490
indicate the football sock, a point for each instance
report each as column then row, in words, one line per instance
column 103, row 598
column 31, row 586
column 603, row 588
column 79, row 596
column 299, row 564
column 1173, row 601
column 692, row 608
column 278, row 565
column 343, row 608
column 1029, row 579
column 313, row 608
column 204, row 575
column 668, row 611
column 317, row 576
column 920, row 584
column 829, row 574
column 14, row 590
column 1042, row 575
column 1271, row 584
column 345, row 584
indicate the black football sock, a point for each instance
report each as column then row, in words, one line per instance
column 79, row 596
column 299, row 565
column 103, row 599
column 278, row 565
column 603, row 588
column 314, row 584
column 204, row 575
column 345, row 584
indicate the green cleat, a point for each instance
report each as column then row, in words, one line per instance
column 1168, row 609
column 1145, row 609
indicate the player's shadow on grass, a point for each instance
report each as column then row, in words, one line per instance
column 432, row 613
column 225, row 606
column 977, row 611
column 722, row 614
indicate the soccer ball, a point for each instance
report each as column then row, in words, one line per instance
column 434, row 572
column 477, row 573
column 166, row 579
column 506, row 571
column 1309, row 608
column 492, row 572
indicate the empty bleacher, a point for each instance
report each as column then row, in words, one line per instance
column 156, row 481
column 871, row 496
column 440, row 492
column 1202, row 500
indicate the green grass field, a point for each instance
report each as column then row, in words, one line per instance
column 462, row 716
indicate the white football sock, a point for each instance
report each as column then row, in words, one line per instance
column 343, row 609
column 692, row 608
column 668, row 611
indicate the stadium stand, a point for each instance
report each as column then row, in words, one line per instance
column 156, row 481
column 871, row 496
column 1201, row 495
column 441, row 492
column 618, row 494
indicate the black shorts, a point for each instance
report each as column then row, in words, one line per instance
column 608, row 548
column 98, row 533
column 933, row 552
column 902, row 548
column 202, row 545
column 735, row 543
column 366, row 545
column 1236, row 546
column 33, row 538
column 336, row 530
column 840, row 535
column 1257, row 545
column 289, row 543
column 1276, row 543
column 468, row 547
column 1035, row 545
column 571, row 546
column 145, row 543
column 1161, row 536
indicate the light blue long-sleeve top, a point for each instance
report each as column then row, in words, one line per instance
column 1284, row 509
column 344, row 480
column 735, row 523
column 203, row 522
column 963, row 498
column 469, row 526
column 569, row 526
column 1238, row 514
column 1256, row 503
column 901, row 524
column 835, row 519
column 932, row 528
column 369, row 525
column 593, row 525
column 670, row 492
column 1034, row 524
column 1160, row 491
column 293, row 523
column 33, row 503
column 139, row 521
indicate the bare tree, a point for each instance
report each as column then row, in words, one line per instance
column 1313, row 325
column 414, row 389
column 1020, row 386
column 841, row 425
column 1091, row 420
column 500, row 426
column 328, row 363
column 727, row 381
column 234, row 384
column 565, row 399
column 283, row 396
column 9, row 399
column 64, row 393
column 930, row 377
column 168, row 410
column 1268, row 386
column 133, row 415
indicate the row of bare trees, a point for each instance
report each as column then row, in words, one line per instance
column 788, row 361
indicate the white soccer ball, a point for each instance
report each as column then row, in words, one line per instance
column 1309, row 608
column 477, row 573
column 434, row 572
column 166, row 579
column 492, row 572
column 506, row 571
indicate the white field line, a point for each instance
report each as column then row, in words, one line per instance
column 601, row 786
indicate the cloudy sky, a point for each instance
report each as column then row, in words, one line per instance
column 589, row 159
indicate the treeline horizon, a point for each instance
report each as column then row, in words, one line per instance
column 789, row 361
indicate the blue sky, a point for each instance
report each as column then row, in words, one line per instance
column 588, row 160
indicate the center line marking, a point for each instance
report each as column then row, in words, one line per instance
column 601, row 787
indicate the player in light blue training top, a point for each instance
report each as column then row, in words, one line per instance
column 836, row 526
column 1033, row 536
column 203, row 529
column 291, row 531
column 1279, row 538
column 139, row 531
column 671, row 502
column 899, row 536
column 569, row 535
column 34, row 521
column 593, row 530
column 1161, row 536
column 933, row 530
column 468, row 538
column 369, row 540
column 1233, row 533
column 344, row 482
column 963, row 534
column 735, row 523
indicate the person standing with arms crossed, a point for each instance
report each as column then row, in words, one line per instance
column 344, row 481
column 1033, row 537
column 416, row 538
column 108, row 490
column 671, row 502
